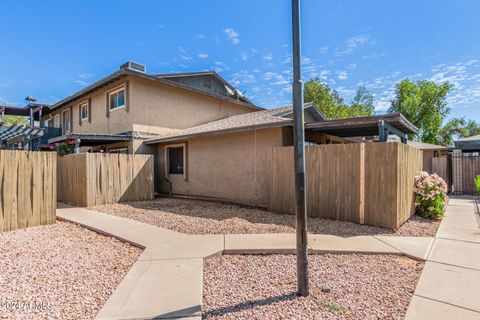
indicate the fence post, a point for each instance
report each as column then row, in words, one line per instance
column 361, row 209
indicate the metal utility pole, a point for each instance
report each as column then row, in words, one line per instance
column 299, row 154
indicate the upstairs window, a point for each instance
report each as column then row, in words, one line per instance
column 84, row 111
column 175, row 160
column 66, row 120
column 116, row 99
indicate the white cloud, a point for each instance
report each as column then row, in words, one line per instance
column 323, row 50
column 243, row 77
column 342, row 75
column 85, row 75
column 200, row 36
column 354, row 43
column 357, row 41
column 219, row 66
column 373, row 55
column 203, row 55
column 232, row 35
column 269, row 75
column 268, row 57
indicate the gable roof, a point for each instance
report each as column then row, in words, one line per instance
column 210, row 73
column 254, row 120
column 122, row 73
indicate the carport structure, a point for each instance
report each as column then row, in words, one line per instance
column 380, row 125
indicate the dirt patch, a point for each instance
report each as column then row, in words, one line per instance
column 263, row 287
column 60, row 271
column 207, row 217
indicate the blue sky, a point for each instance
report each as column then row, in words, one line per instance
column 53, row 48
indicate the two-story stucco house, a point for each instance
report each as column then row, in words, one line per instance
column 116, row 113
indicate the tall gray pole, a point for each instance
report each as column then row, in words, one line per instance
column 299, row 153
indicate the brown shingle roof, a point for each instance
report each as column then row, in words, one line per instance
column 243, row 122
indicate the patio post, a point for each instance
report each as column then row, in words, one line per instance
column 299, row 155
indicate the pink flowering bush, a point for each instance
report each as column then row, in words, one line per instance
column 430, row 195
column 63, row 148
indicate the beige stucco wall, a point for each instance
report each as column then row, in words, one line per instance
column 150, row 104
column 232, row 167
column 427, row 160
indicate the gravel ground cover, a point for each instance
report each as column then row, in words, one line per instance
column 207, row 217
column 263, row 287
column 60, row 271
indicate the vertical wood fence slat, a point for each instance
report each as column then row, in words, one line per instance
column 97, row 178
column 369, row 183
column 27, row 189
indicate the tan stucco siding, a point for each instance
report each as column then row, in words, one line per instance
column 169, row 107
column 149, row 104
column 233, row 167
column 119, row 120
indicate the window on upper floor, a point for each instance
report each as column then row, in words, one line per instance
column 66, row 120
column 84, row 110
column 116, row 99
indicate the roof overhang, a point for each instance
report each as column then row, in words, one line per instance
column 285, row 123
column 92, row 139
column 361, row 126
column 471, row 145
column 24, row 111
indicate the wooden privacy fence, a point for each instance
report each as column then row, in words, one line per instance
column 27, row 189
column 90, row 179
column 367, row 183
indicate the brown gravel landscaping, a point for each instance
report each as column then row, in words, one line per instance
column 263, row 287
column 208, row 217
column 65, row 269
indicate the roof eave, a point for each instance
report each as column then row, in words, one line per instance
column 128, row 72
column 219, row 132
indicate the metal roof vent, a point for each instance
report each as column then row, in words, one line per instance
column 134, row 66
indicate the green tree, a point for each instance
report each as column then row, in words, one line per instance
column 452, row 129
column 472, row 128
column 9, row 120
column 332, row 104
column 424, row 104
column 362, row 103
column 458, row 128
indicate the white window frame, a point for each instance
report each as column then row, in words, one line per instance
column 167, row 160
column 115, row 91
column 81, row 106
column 69, row 120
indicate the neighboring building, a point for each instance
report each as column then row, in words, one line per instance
column 469, row 144
column 430, row 151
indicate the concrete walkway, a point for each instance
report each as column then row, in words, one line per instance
column 449, row 287
column 166, row 280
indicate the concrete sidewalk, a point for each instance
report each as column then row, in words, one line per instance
column 449, row 287
column 166, row 280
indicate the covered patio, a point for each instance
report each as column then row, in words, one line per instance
column 360, row 129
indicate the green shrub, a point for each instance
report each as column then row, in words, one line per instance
column 477, row 184
column 430, row 195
